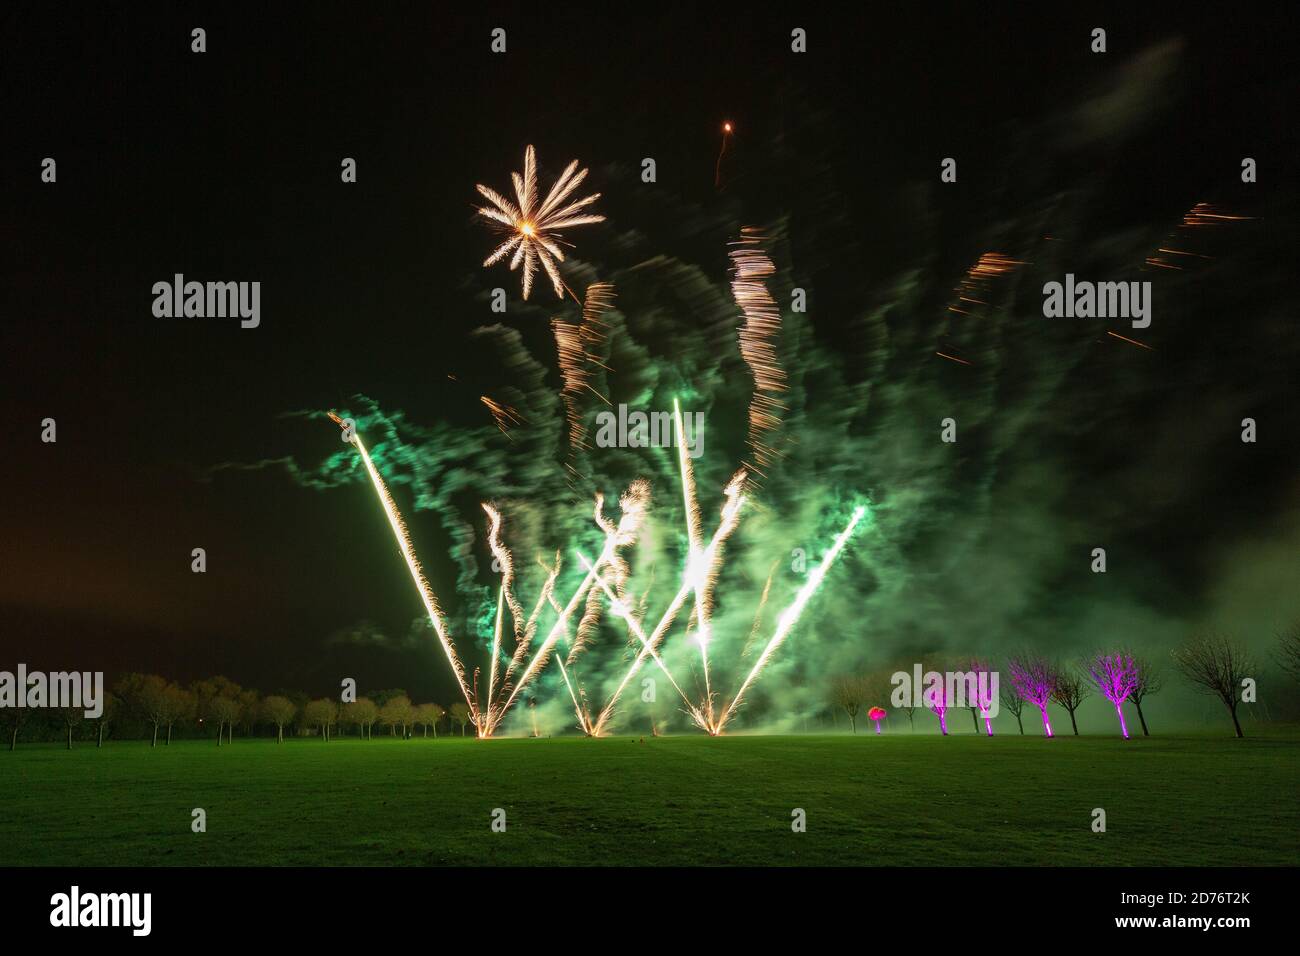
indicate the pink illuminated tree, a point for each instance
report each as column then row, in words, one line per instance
column 983, row 691
column 936, row 698
column 877, row 714
column 1116, row 676
column 1034, row 679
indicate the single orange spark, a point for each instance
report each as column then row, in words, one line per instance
column 1132, row 341
column 952, row 358
column 717, row 171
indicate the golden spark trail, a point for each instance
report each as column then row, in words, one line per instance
column 694, row 570
column 634, row 503
column 620, row 608
column 791, row 614
column 730, row 519
column 530, row 629
column 507, row 564
column 496, row 650
column 413, row 565
column 758, row 615
column 751, row 267
column 559, row 659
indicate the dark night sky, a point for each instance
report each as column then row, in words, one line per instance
column 225, row 166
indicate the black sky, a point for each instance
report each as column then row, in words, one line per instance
column 225, row 166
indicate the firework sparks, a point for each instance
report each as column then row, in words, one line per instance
column 573, row 345
column 790, row 616
column 750, row 267
column 620, row 608
column 730, row 519
column 413, row 565
column 532, row 227
column 503, row 415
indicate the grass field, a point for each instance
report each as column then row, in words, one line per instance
column 893, row 800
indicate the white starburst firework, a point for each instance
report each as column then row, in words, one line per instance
column 533, row 225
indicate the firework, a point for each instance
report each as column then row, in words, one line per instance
column 532, row 227
column 573, row 345
column 503, row 415
column 413, row 565
column 751, row 266
column 730, row 519
column 790, row 616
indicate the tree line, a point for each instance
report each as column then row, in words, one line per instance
column 151, row 707
column 1212, row 663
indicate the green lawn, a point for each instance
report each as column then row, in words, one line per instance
column 896, row 799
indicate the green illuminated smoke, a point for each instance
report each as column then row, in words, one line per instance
column 975, row 548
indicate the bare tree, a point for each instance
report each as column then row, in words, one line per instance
column 1014, row 703
column 1071, row 691
column 1287, row 652
column 279, row 711
column 847, row 692
column 13, row 718
column 106, row 715
column 71, row 717
column 1216, row 665
column 1150, row 680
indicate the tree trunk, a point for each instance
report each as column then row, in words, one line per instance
column 1143, row 720
column 1235, row 722
column 1074, row 724
column 69, row 736
column 975, row 719
column 155, row 736
column 13, row 739
column 169, row 735
column 100, row 742
column 220, row 728
column 853, row 722
column 1021, row 723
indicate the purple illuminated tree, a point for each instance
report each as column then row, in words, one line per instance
column 1034, row 679
column 983, row 691
column 936, row 698
column 1116, row 676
